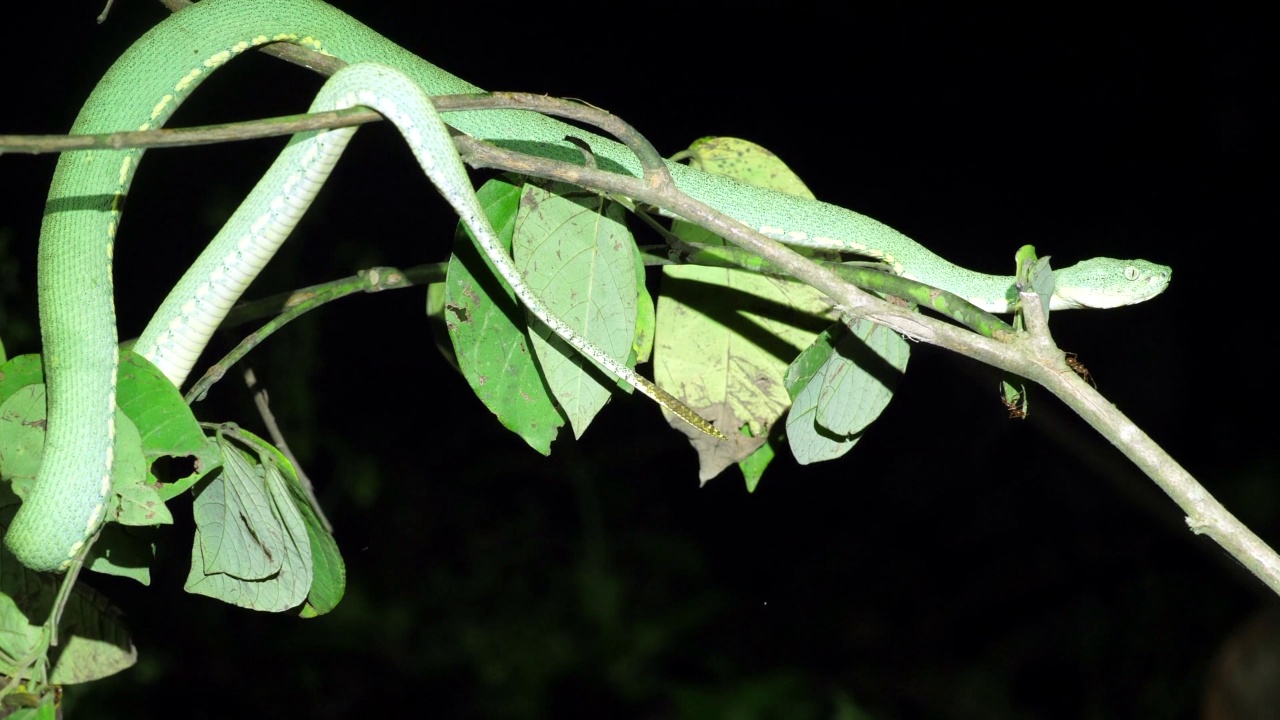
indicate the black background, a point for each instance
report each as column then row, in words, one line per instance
column 956, row 564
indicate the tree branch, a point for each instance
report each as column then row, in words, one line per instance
column 1031, row 355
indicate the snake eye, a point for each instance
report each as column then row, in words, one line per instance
column 1131, row 273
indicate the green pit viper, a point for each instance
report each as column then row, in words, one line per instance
column 66, row 504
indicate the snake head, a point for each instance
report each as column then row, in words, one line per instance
column 1107, row 283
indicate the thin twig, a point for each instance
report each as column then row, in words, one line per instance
column 263, row 403
column 293, row 306
column 68, row 586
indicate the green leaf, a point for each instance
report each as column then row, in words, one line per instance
column 20, row 444
column 18, row 637
column 155, row 405
column 1014, row 395
column 577, row 255
column 94, row 642
column 135, row 501
column 492, row 351
column 124, row 552
column 437, row 320
column 239, row 534
column 1042, row 281
column 646, row 315
column 251, row 548
column 19, row 372
column 754, row 465
column 167, row 426
column 746, row 161
column 725, row 337
column 22, row 421
column 839, row 385
column 329, row 572
column 1024, row 258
